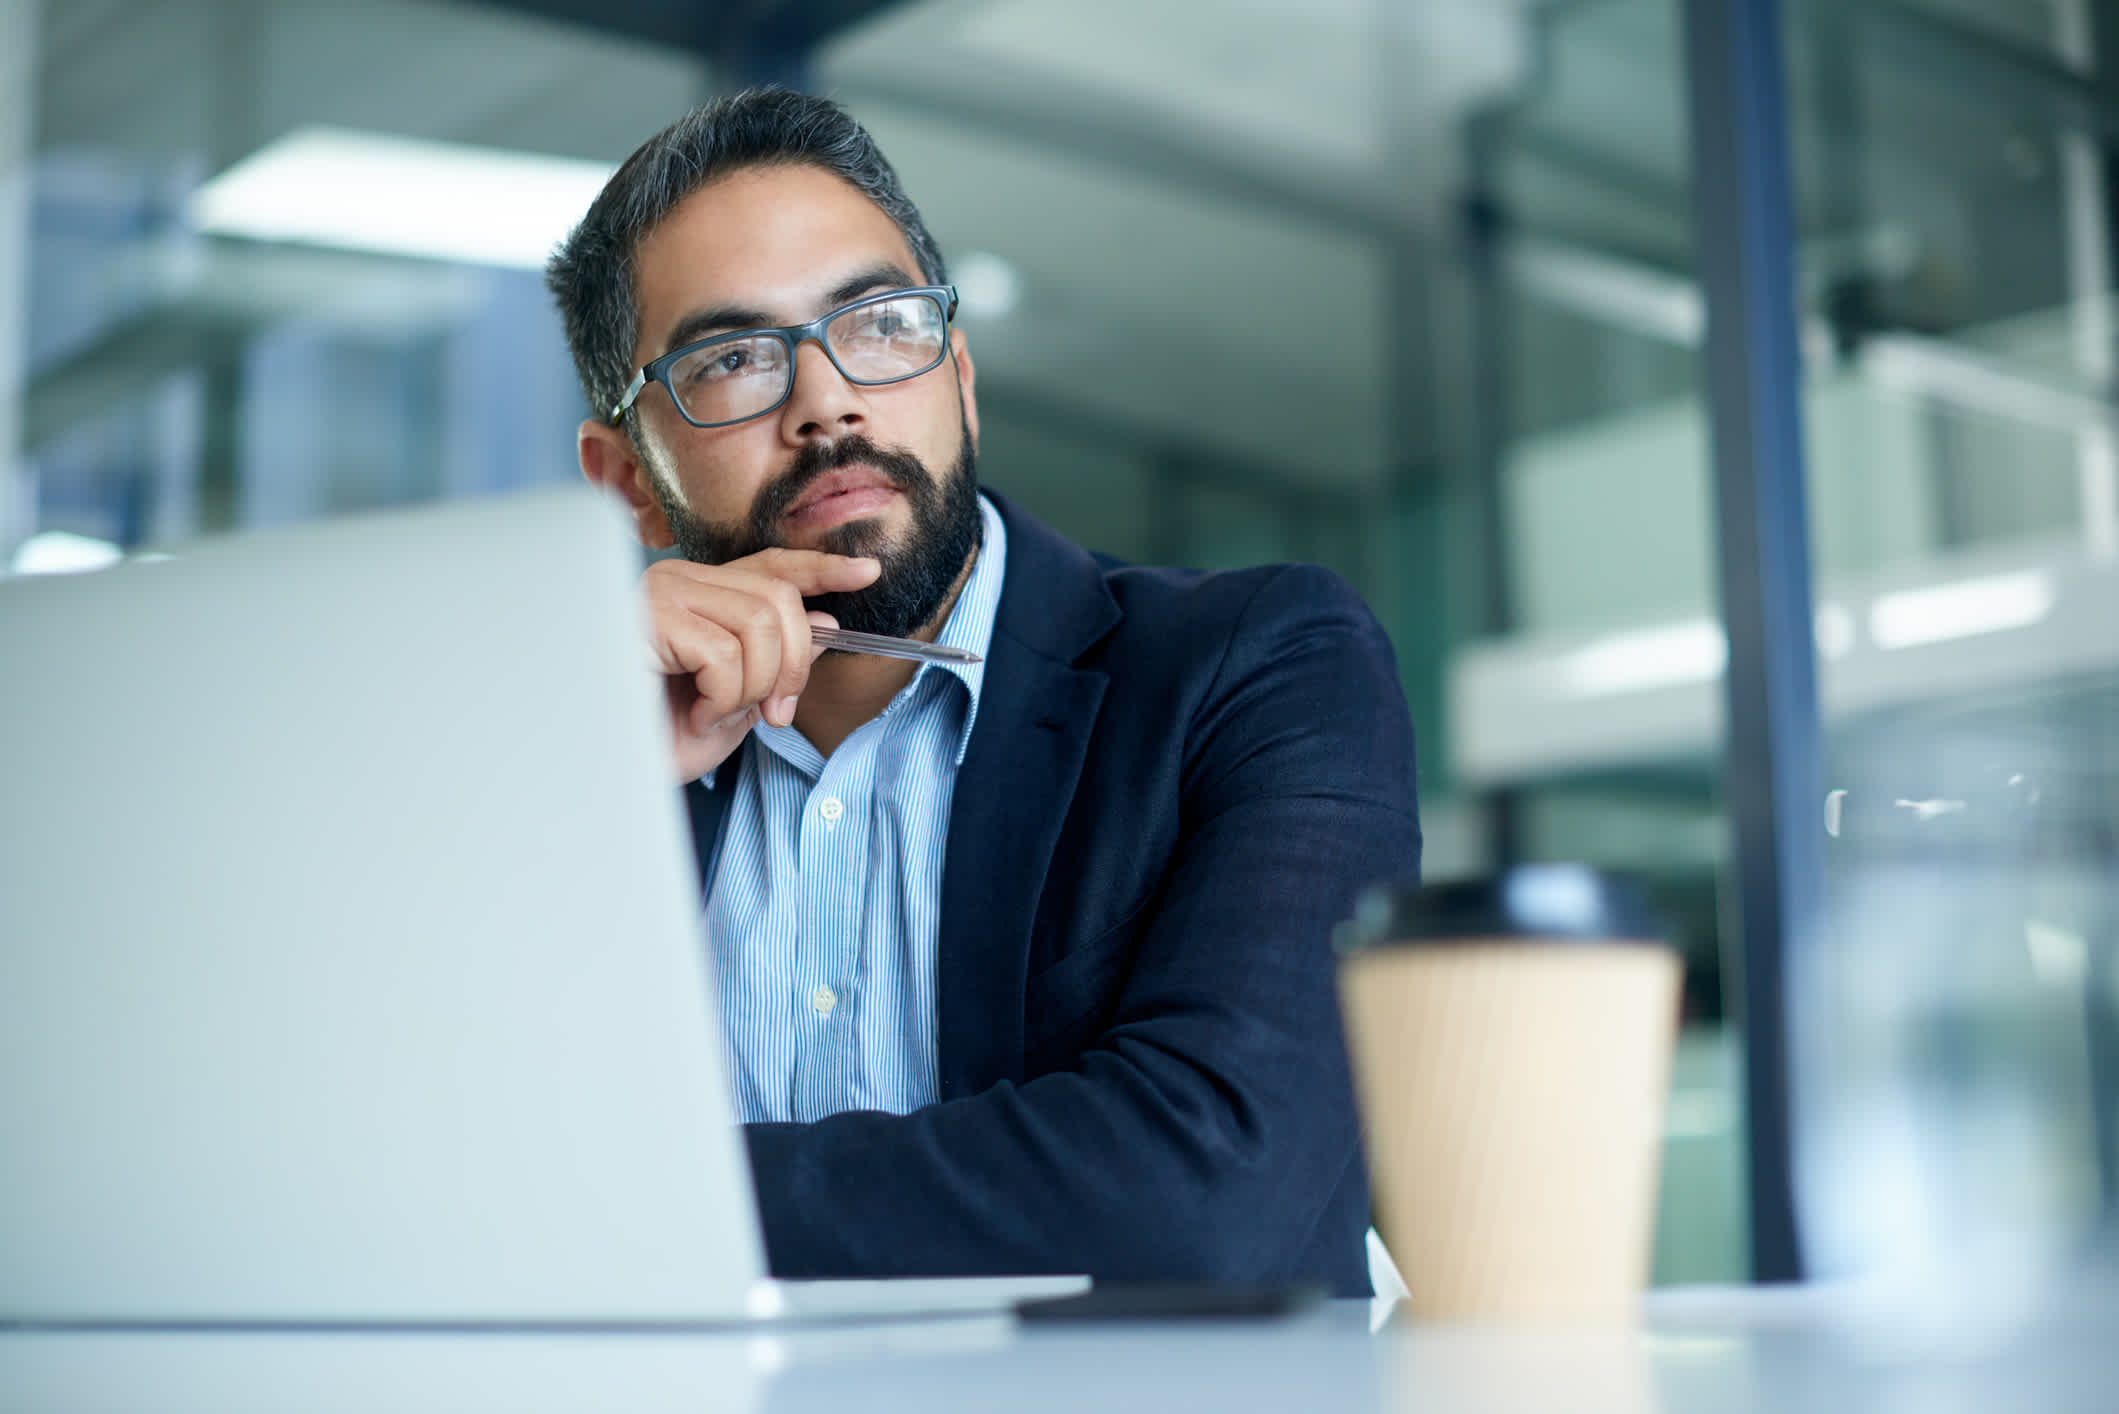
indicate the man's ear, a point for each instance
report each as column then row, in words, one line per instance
column 966, row 381
column 609, row 458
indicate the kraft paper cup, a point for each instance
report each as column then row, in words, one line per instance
column 1511, row 1043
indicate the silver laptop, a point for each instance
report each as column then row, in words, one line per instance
column 350, row 954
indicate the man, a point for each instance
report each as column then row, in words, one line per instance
column 1025, row 963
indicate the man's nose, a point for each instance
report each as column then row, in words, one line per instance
column 822, row 403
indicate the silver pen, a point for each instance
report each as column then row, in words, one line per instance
column 883, row 646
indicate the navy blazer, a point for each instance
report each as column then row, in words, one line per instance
column 1176, row 784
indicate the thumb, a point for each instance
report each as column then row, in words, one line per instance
column 819, row 619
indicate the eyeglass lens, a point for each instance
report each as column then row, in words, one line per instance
column 740, row 377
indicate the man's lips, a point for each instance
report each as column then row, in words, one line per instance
column 842, row 495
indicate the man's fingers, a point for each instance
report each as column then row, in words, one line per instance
column 775, row 635
column 781, row 577
column 751, row 622
column 711, row 656
column 760, row 649
column 810, row 571
column 737, row 637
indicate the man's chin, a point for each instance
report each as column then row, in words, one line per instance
column 866, row 535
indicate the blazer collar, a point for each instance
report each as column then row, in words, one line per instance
column 1054, row 599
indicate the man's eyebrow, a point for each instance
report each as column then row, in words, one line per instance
column 876, row 277
column 722, row 319
column 705, row 323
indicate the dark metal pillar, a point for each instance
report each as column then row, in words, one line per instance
column 233, row 132
column 1745, row 233
column 1850, row 300
column 1488, row 345
column 220, row 503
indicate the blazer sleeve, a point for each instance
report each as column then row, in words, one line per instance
column 1206, row 1130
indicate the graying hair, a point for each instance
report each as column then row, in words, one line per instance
column 591, row 274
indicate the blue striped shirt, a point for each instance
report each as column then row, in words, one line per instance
column 823, row 909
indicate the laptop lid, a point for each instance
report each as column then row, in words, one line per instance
column 350, row 965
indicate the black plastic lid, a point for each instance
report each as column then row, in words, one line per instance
column 1546, row 902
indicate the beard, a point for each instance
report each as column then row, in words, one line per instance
column 917, row 573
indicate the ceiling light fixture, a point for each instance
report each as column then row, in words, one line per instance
column 1961, row 609
column 989, row 286
column 1689, row 652
column 63, row 552
column 401, row 196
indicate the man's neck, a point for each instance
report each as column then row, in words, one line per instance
column 848, row 689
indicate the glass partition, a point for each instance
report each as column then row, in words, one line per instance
column 1958, row 1042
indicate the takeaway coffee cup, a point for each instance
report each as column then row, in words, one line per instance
column 1511, row 1041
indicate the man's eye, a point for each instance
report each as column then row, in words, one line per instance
column 882, row 323
column 728, row 361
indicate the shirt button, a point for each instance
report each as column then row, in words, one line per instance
column 823, row 1000
column 830, row 808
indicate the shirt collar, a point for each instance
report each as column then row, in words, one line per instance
column 970, row 622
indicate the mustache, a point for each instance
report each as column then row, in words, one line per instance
column 904, row 471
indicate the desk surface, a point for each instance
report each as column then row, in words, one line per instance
column 1697, row 1352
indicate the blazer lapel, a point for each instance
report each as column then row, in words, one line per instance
column 1037, row 711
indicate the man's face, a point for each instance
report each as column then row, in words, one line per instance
column 837, row 467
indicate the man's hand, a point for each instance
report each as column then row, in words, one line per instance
column 733, row 643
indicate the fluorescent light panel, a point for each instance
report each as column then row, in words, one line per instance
column 401, row 196
column 1961, row 609
column 1693, row 651
column 1835, row 630
column 63, row 552
column 1673, row 655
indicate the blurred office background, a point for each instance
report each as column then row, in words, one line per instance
column 1409, row 287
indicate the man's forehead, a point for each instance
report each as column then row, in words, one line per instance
column 775, row 239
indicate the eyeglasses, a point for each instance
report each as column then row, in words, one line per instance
column 881, row 338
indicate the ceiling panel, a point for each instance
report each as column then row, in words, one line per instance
column 213, row 79
column 1209, row 321
column 1204, row 201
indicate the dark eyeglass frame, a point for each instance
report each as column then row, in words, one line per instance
column 791, row 337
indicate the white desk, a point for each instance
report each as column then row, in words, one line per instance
column 1695, row 1355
